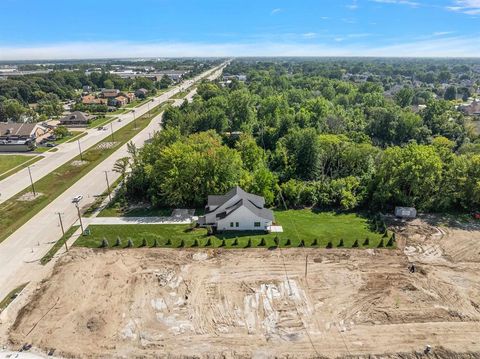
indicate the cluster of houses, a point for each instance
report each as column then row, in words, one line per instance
column 111, row 97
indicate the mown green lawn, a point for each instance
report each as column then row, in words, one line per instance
column 8, row 162
column 307, row 227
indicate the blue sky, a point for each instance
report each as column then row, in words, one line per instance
column 48, row 29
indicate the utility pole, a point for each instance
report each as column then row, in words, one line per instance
column 111, row 129
column 79, row 216
column 80, row 149
column 63, row 231
column 108, row 186
column 31, row 181
column 134, row 120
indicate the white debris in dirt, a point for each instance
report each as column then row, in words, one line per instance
column 200, row 256
column 176, row 326
column 158, row 304
column 128, row 331
column 27, row 197
column 174, row 282
column 262, row 304
column 78, row 163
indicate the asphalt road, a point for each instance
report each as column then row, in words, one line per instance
column 20, row 253
column 20, row 180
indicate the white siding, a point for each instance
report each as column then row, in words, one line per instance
column 246, row 220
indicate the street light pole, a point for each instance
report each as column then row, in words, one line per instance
column 134, row 120
column 31, row 181
column 111, row 129
column 63, row 231
column 108, row 186
column 80, row 149
column 79, row 216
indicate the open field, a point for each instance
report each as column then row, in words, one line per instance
column 10, row 162
column 313, row 228
column 259, row 303
column 14, row 212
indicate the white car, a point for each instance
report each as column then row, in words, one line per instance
column 77, row 199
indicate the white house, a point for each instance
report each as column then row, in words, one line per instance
column 237, row 210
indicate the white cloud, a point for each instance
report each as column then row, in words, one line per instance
column 353, row 5
column 442, row 33
column 460, row 46
column 469, row 7
column 399, row 2
column 309, row 35
column 276, row 11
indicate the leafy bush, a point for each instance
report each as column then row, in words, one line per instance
column 341, row 244
column 118, row 242
column 314, row 242
column 366, row 242
column 104, row 243
column 355, row 244
column 329, row 245
column 129, row 243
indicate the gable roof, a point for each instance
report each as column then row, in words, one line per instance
column 76, row 116
column 216, row 200
column 17, row 129
column 252, row 202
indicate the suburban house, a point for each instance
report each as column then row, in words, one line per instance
column 76, row 119
column 237, row 210
column 121, row 101
column 141, row 93
column 93, row 100
column 110, row 93
column 19, row 136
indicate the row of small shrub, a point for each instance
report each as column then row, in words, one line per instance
column 154, row 241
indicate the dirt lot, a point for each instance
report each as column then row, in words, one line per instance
column 258, row 303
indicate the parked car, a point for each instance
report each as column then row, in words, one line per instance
column 52, row 138
column 51, row 144
column 77, row 198
column 100, row 128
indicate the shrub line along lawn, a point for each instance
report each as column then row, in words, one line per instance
column 301, row 227
column 13, row 163
column 61, row 242
column 14, row 213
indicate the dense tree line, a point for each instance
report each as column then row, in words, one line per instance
column 309, row 140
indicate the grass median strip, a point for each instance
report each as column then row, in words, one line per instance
column 61, row 242
column 16, row 211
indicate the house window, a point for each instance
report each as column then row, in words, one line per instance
column 237, row 224
column 231, row 224
column 257, row 224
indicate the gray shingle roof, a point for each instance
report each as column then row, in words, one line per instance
column 251, row 201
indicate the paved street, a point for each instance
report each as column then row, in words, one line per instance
column 19, row 253
column 20, row 180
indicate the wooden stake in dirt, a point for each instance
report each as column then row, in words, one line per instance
column 306, row 265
